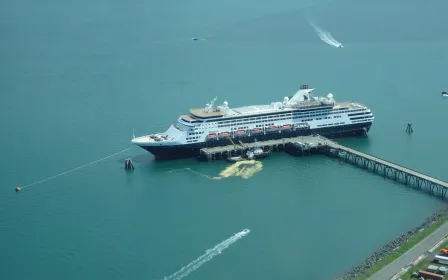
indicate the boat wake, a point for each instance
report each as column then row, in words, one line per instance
column 326, row 36
column 244, row 169
column 208, row 256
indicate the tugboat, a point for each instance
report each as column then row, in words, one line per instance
column 257, row 153
column 445, row 93
column 253, row 153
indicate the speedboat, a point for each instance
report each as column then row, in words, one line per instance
column 235, row 159
column 445, row 93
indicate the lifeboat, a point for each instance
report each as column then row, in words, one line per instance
column 272, row 127
column 256, row 130
column 224, row 134
column 211, row 136
column 286, row 126
column 240, row 132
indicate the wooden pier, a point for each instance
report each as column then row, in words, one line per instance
column 388, row 169
column 316, row 144
column 312, row 144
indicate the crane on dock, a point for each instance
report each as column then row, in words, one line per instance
column 233, row 143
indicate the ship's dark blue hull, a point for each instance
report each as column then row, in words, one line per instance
column 193, row 150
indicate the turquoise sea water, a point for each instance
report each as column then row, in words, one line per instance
column 77, row 78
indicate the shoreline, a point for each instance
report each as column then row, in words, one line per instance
column 391, row 250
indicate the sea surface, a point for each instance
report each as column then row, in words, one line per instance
column 78, row 77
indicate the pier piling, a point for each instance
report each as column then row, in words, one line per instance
column 128, row 164
column 409, row 128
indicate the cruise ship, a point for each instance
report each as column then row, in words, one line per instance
column 300, row 114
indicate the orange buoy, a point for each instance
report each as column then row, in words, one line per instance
column 18, row 189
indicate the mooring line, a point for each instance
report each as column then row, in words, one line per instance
column 71, row 170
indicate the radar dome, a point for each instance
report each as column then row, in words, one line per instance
column 330, row 95
column 225, row 103
column 286, row 99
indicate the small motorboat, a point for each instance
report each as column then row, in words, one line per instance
column 286, row 127
column 241, row 132
column 445, row 93
column 256, row 130
column 235, row 159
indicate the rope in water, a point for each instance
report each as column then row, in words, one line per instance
column 74, row 169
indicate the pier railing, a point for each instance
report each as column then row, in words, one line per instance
column 389, row 169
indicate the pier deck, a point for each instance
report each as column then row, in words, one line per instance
column 313, row 140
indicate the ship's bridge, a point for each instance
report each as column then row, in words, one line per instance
column 189, row 119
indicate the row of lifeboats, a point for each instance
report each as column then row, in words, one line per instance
column 255, row 130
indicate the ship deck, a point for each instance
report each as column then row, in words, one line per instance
column 202, row 114
column 263, row 109
column 187, row 117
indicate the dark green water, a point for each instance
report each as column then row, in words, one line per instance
column 76, row 78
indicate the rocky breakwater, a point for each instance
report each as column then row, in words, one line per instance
column 392, row 246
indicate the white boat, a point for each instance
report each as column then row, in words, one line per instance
column 257, row 153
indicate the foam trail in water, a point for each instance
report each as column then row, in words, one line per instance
column 209, row 254
column 326, row 36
